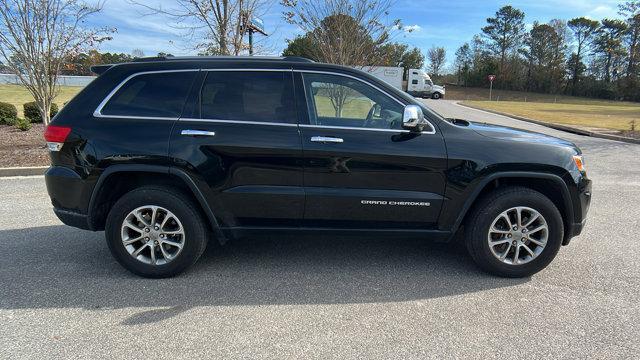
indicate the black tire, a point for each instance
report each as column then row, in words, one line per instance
column 436, row 96
column 493, row 204
column 194, row 226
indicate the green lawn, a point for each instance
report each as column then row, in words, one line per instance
column 555, row 109
column 18, row 95
column 596, row 113
column 455, row 92
column 353, row 108
column 559, row 109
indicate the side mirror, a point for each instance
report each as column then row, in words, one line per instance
column 413, row 118
column 377, row 110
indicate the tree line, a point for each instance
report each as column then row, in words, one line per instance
column 581, row 56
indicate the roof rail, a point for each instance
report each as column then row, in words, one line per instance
column 244, row 58
column 100, row 69
column 151, row 58
column 297, row 59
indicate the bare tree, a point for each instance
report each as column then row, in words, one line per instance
column 213, row 27
column 345, row 32
column 38, row 36
column 437, row 57
column 137, row 53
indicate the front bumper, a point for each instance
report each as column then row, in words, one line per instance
column 70, row 218
column 576, row 228
column 582, row 202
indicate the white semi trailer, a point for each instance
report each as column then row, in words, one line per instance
column 418, row 82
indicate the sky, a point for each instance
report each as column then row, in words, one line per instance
column 435, row 23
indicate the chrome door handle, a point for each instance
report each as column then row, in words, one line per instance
column 197, row 133
column 326, row 139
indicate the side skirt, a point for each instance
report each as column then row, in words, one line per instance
column 427, row 235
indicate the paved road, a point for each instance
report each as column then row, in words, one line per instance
column 63, row 296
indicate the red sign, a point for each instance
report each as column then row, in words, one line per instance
column 491, row 77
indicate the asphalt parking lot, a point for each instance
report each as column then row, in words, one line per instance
column 63, row 296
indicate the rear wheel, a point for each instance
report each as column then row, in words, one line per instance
column 514, row 232
column 155, row 232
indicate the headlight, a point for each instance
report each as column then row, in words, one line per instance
column 579, row 161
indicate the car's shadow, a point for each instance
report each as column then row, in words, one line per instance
column 61, row 267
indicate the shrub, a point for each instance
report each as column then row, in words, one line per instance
column 8, row 113
column 54, row 110
column 23, row 124
column 32, row 112
column 11, row 121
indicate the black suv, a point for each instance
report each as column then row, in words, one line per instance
column 166, row 153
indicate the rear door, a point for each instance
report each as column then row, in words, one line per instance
column 241, row 141
column 141, row 109
column 362, row 170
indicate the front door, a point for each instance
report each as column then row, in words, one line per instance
column 242, row 142
column 362, row 170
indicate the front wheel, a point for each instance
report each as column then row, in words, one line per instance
column 436, row 96
column 155, row 232
column 514, row 232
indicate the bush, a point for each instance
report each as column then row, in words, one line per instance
column 23, row 124
column 32, row 112
column 11, row 121
column 54, row 110
column 8, row 113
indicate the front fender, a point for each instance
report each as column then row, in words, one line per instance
column 454, row 210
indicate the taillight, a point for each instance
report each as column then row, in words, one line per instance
column 56, row 136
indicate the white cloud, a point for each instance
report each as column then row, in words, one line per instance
column 603, row 11
column 151, row 44
column 412, row 28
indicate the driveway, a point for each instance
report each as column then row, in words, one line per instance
column 63, row 296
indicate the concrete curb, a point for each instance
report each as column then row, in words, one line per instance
column 559, row 127
column 23, row 171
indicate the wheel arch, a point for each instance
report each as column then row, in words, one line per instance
column 550, row 185
column 116, row 180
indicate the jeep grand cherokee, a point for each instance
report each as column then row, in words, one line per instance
column 165, row 154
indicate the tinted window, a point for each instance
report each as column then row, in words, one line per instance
column 335, row 100
column 264, row 96
column 153, row 95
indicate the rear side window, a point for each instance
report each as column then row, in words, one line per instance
column 262, row 96
column 151, row 95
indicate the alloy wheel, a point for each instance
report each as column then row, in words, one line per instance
column 152, row 235
column 518, row 235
